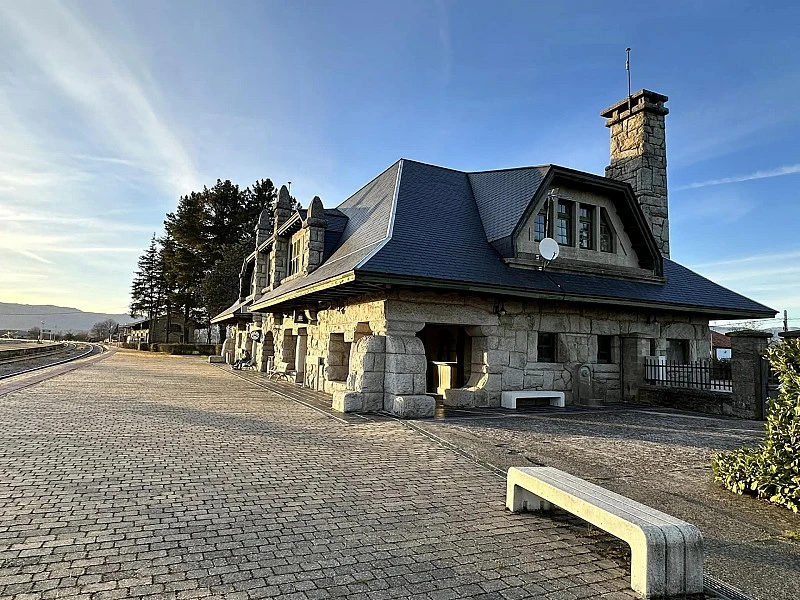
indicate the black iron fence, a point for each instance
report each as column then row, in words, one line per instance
column 698, row 375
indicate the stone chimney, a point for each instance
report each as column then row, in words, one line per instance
column 639, row 156
column 314, row 228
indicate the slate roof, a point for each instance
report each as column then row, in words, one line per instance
column 440, row 234
column 368, row 215
column 509, row 189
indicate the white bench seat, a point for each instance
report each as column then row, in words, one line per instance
column 509, row 399
column 666, row 553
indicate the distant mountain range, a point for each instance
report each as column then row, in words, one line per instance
column 56, row 318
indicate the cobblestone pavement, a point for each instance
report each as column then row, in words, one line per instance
column 661, row 458
column 163, row 477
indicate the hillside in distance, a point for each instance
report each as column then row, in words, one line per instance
column 56, row 318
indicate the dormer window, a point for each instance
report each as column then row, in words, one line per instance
column 295, row 256
column 586, row 227
column 540, row 226
column 606, row 235
column 564, row 223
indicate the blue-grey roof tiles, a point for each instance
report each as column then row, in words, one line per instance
column 444, row 222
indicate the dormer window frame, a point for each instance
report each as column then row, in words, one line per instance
column 540, row 225
column 564, row 222
column 586, row 226
column 294, row 256
column 607, row 237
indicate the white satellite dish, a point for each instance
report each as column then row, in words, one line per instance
column 548, row 249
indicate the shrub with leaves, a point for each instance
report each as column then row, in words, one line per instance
column 771, row 471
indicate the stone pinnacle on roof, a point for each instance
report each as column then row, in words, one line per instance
column 284, row 199
column 316, row 214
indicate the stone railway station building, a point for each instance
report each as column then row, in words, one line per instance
column 427, row 284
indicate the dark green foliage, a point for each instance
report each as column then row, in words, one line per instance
column 148, row 290
column 771, row 471
column 220, row 287
column 208, row 231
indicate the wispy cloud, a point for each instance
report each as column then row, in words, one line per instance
column 770, row 278
column 779, row 172
column 117, row 104
column 89, row 152
column 770, row 258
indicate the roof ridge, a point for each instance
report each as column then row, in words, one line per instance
column 378, row 176
column 545, row 166
column 419, row 162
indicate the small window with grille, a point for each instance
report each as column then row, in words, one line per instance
column 540, row 227
column 586, row 227
column 606, row 234
column 564, row 223
column 295, row 257
column 546, row 347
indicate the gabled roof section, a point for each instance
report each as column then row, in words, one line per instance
column 420, row 225
column 503, row 196
column 628, row 209
column 368, row 215
column 438, row 242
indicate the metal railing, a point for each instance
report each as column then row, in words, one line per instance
column 698, row 375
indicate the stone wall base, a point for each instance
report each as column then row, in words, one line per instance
column 701, row 401
column 414, row 407
column 359, row 402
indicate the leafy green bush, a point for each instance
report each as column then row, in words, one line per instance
column 771, row 471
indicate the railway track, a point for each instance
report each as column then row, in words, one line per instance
column 21, row 365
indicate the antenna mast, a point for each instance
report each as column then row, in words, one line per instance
column 628, row 69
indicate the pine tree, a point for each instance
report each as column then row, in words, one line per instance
column 201, row 234
column 148, row 290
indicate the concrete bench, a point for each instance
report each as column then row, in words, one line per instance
column 509, row 399
column 666, row 553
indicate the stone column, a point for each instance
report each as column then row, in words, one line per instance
column 366, row 378
column 747, row 349
column 229, row 346
column 633, row 350
column 404, row 381
column 300, row 354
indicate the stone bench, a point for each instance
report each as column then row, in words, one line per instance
column 509, row 399
column 666, row 553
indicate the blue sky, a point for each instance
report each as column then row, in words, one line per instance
column 110, row 110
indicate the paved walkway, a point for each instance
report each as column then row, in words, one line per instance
column 661, row 458
column 164, row 477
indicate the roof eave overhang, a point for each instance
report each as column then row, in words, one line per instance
column 711, row 312
column 233, row 313
column 292, row 224
column 273, row 303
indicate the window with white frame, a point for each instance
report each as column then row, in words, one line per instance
column 295, row 256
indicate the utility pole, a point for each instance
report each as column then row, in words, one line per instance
column 785, row 320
